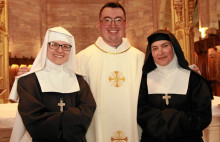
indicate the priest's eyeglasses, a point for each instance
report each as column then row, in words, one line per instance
column 55, row 46
column 108, row 21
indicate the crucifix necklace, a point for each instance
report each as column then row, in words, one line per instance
column 166, row 97
column 61, row 104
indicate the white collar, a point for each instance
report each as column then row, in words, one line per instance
column 168, row 79
column 168, row 69
column 56, row 78
column 125, row 45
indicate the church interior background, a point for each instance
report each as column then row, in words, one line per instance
column 23, row 24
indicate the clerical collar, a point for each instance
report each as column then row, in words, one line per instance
column 112, row 52
column 117, row 45
column 101, row 45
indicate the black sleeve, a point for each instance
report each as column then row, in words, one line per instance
column 149, row 118
column 43, row 124
column 171, row 123
column 76, row 120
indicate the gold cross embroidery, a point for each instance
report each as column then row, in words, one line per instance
column 117, row 78
column 119, row 136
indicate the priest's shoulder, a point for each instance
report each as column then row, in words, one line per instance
column 134, row 52
column 87, row 51
column 137, row 51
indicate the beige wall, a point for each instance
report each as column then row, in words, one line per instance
column 28, row 21
column 140, row 22
column 24, row 27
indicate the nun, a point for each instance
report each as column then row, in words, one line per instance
column 174, row 103
column 54, row 103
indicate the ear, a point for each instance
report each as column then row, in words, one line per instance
column 98, row 25
column 126, row 24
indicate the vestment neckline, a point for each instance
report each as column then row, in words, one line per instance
column 111, row 52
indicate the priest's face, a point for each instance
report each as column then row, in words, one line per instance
column 162, row 52
column 57, row 56
column 112, row 25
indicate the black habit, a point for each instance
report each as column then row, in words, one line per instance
column 42, row 117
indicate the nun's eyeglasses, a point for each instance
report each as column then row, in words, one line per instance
column 55, row 46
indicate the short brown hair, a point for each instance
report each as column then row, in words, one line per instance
column 112, row 5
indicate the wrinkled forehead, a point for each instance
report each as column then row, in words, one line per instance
column 56, row 36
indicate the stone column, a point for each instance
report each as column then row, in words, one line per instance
column 4, row 59
column 182, row 25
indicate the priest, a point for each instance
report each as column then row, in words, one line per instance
column 112, row 68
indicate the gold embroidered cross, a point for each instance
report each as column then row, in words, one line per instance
column 166, row 97
column 117, row 78
column 119, row 136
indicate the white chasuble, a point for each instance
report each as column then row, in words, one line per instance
column 114, row 76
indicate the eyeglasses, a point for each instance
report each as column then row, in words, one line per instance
column 55, row 46
column 117, row 21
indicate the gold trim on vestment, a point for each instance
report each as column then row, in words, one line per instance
column 111, row 52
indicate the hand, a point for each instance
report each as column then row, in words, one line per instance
column 195, row 68
column 23, row 70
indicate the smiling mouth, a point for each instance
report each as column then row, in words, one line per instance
column 58, row 56
column 162, row 58
column 113, row 31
